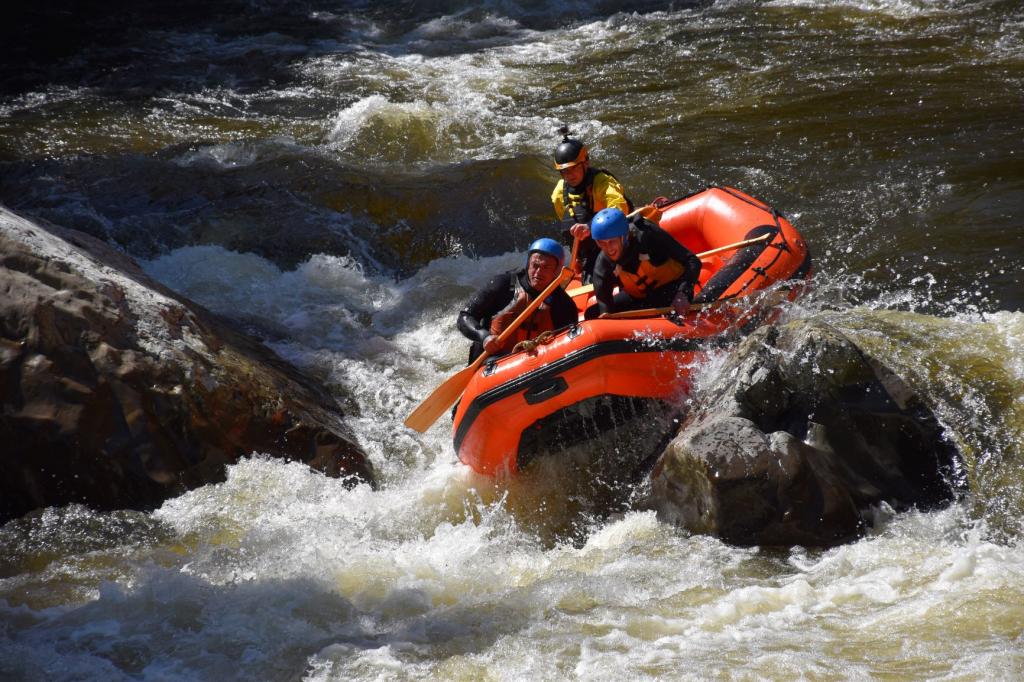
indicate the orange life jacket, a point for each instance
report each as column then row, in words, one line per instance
column 648, row 276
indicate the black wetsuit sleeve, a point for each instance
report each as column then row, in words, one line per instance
column 563, row 310
column 475, row 319
column 661, row 242
column 604, row 280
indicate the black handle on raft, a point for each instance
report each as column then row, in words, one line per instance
column 546, row 391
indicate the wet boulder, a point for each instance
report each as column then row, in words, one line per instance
column 117, row 393
column 801, row 435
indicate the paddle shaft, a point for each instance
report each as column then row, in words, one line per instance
column 566, row 273
column 652, row 312
column 646, row 312
column 773, row 299
column 745, row 242
column 534, row 304
column 435, row 404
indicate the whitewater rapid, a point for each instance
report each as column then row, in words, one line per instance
column 340, row 178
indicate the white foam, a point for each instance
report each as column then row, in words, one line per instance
column 478, row 32
column 386, row 344
column 353, row 119
column 633, row 528
column 1010, row 325
column 451, row 108
column 896, row 8
column 425, row 576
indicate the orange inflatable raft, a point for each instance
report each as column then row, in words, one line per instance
column 600, row 376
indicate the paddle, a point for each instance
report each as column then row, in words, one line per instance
column 774, row 299
column 745, row 242
column 646, row 312
column 654, row 312
column 435, row 404
column 589, row 288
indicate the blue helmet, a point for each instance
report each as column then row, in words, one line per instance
column 549, row 247
column 609, row 223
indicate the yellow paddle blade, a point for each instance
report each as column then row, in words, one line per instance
column 447, row 393
column 443, row 397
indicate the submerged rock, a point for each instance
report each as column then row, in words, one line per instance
column 802, row 434
column 117, row 393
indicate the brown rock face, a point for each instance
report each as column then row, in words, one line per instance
column 117, row 393
column 800, row 437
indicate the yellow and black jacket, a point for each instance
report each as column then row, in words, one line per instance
column 599, row 190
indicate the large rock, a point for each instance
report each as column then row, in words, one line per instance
column 116, row 392
column 799, row 438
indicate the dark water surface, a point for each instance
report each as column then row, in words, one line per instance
column 892, row 127
column 342, row 176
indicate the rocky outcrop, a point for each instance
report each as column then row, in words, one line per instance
column 117, row 393
column 799, row 438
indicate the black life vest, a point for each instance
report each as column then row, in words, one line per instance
column 579, row 201
column 539, row 321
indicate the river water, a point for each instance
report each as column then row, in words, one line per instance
column 340, row 177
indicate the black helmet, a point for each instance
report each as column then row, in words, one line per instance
column 569, row 152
